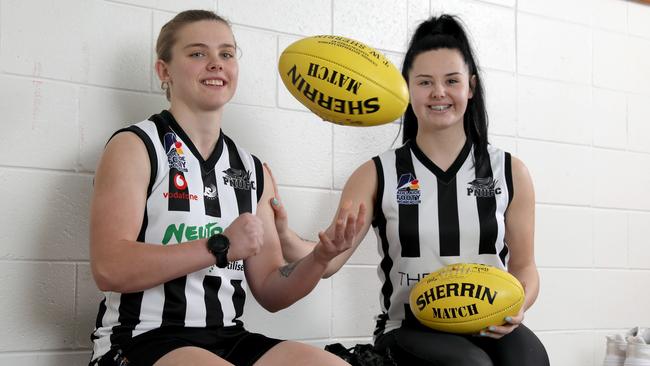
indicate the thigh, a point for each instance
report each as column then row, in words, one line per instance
column 521, row 347
column 423, row 346
column 300, row 354
column 191, row 356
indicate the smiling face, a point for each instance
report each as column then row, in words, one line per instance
column 203, row 70
column 440, row 87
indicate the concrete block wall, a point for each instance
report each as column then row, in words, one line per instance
column 568, row 85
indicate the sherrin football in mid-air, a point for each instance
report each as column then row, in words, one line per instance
column 343, row 81
column 464, row 298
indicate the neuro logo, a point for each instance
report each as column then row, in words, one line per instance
column 210, row 192
column 483, row 187
column 238, row 179
column 408, row 190
column 174, row 151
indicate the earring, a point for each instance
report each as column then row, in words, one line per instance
column 164, row 85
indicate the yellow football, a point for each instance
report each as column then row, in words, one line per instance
column 465, row 298
column 343, row 81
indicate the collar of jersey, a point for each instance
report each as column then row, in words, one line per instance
column 206, row 165
column 443, row 176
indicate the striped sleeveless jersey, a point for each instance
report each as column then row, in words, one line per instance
column 426, row 218
column 188, row 198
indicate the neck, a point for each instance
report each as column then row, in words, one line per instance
column 202, row 127
column 442, row 147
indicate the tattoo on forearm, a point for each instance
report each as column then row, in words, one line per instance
column 286, row 270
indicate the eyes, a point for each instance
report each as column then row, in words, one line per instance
column 428, row 82
column 224, row 54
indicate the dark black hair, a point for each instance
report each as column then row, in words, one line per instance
column 446, row 31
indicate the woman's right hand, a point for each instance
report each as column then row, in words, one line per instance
column 246, row 236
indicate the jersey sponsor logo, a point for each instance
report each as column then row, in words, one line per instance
column 174, row 151
column 179, row 182
column 180, row 196
column 210, row 192
column 233, row 266
column 483, row 187
column 238, row 179
column 408, row 190
column 181, row 233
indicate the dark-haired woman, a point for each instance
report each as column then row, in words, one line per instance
column 444, row 197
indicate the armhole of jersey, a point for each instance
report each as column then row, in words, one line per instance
column 379, row 196
column 259, row 173
column 508, row 174
column 151, row 151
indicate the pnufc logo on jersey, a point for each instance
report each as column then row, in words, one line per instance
column 239, row 179
column 408, row 190
column 483, row 187
column 174, row 150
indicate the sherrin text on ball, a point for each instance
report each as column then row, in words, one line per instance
column 343, row 81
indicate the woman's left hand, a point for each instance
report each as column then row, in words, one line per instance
column 511, row 323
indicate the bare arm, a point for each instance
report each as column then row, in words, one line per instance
column 277, row 285
column 520, row 229
column 119, row 263
column 359, row 193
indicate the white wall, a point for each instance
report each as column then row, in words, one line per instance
column 568, row 84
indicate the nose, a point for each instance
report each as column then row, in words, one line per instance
column 215, row 64
column 438, row 91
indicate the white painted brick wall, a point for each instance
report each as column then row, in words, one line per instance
column 567, row 84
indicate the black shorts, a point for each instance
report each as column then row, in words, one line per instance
column 234, row 344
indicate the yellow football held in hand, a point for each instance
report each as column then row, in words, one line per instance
column 465, row 298
column 343, row 81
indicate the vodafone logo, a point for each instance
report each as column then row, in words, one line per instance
column 180, row 182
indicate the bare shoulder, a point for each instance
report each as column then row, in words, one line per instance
column 125, row 159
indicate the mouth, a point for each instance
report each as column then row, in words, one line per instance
column 213, row 82
column 440, row 108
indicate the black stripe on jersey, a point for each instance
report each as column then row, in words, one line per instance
column 128, row 318
column 379, row 221
column 487, row 208
column 213, row 309
column 508, row 174
column 177, row 183
column 100, row 316
column 238, row 300
column 380, row 324
column 175, row 302
column 259, row 175
column 409, row 231
column 448, row 221
column 243, row 195
column 211, row 194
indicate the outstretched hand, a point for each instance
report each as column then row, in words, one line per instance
column 339, row 238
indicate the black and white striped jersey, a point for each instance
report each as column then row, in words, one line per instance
column 426, row 218
column 188, row 198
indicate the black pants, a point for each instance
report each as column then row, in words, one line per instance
column 417, row 345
